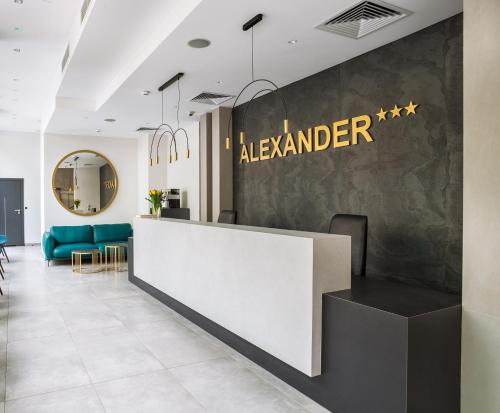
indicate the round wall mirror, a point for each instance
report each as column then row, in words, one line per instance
column 85, row 182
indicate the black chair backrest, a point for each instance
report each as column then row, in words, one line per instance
column 357, row 227
column 227, row 216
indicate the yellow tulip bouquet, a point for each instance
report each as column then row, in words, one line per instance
column 156, row 197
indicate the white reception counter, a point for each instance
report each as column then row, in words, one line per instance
column 264, row 285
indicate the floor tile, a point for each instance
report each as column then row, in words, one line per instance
column 224, row 385
column 113, row 353
column 144, row 310
column 43, row 365
column 152, row 392
column 109, row 290
column 26, row 324
column 78, row 400
column 85, row 317
column 175, row 345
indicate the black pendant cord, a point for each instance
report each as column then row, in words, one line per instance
column 253, row 67
column 178, row 101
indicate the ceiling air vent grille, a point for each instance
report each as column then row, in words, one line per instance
column 210, row 98
column 364, row 18
column 83, row 11
column 65, row 58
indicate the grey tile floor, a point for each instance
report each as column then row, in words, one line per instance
column 96, row 343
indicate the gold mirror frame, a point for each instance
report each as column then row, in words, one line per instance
column 81, row 214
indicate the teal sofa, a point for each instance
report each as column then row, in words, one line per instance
column 60, row 242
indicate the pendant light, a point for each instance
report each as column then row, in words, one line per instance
column 270, row 87
column 166, row 129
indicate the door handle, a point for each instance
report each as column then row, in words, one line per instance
column 18, row 211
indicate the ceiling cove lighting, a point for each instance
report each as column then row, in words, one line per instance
column 270, row 87
column 166, row 129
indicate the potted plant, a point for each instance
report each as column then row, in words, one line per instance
column 77, row 203
column 156, row 198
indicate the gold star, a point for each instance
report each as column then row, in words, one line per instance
column 396, row 112
column 381, row 115
column 410, row 108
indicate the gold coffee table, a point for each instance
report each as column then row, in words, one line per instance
column 76, row 261
column 116, row 254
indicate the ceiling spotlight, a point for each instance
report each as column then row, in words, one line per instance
column 220, row 82
column 97, row 130
column 17, row 50
column 19, row 1
column 145, row 92
column 293, row 41
column 109, row 120
column 199, row 43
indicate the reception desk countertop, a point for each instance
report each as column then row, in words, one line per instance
column 264, row 285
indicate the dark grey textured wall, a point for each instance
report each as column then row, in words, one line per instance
column 408, row 182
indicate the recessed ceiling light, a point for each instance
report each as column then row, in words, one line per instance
column 293, row 41
column 17, row 50
column 109, row 120
column 199, row 43
column 97, row 130
column 220, row 82
column 19, row 1
column 146, row 92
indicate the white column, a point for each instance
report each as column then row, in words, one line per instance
column 222, row 163
column 481, row 269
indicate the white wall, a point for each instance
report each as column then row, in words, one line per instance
column 184, row 173
column 481, row 272
column 121, row 152
column 142, row 174
column 20, row 158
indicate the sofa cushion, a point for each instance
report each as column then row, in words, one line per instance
column 64, row 251
column 72, row 234
column 112, row 232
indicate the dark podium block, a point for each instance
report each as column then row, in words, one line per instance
column 176, row 213
column 392, row 348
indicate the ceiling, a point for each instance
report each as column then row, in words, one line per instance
column 42, row 30
column 126, row 48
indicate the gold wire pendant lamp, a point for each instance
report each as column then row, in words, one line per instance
column 271, row 87
column 166, row 129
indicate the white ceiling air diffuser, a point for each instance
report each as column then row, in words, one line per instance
column 210, row 98
column 363, row 18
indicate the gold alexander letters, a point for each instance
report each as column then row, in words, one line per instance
column 341, row 133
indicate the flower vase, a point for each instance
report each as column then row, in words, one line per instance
column 157, row 212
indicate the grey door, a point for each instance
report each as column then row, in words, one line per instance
column 12, row 210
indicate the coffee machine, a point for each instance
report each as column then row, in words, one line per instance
column 173, row 198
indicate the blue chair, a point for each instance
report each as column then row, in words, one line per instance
column 3, row 242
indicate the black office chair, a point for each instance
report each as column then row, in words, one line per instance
column 227, row 216
column 357, row 227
